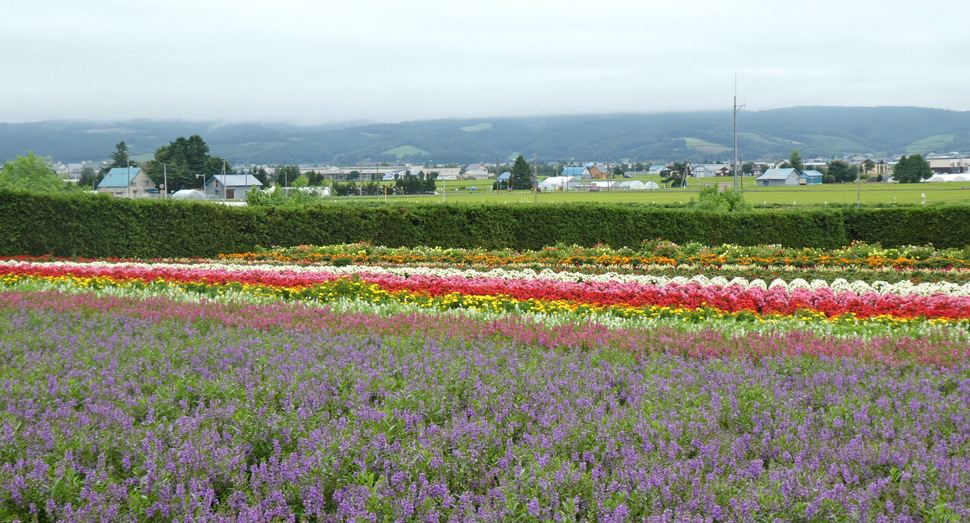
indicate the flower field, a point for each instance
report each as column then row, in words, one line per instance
column 352, row 383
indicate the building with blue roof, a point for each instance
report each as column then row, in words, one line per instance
column 810, row 177
column 125, row 182
column 576, row 172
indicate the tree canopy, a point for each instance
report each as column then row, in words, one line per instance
column 521, row 174
column 677, row 177
column 88, row 178
column 841, row 172
column 285, row 175
column 183, row 159
column 31, row 173
column 911, row 170
column 795, row 161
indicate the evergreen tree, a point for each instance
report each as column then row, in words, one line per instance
column 285, row 175
column 521, row 174
column 262, row 176
column 119, row 158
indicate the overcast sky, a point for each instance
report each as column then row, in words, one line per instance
column 311, row 62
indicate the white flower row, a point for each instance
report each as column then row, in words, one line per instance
column 838, row 285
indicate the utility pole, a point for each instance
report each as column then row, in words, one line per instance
column 736, row 109
column 609, row 175
column 858, row 192
column 129, row 178
column 498, row 184
column 535, row 179
column 164, row 181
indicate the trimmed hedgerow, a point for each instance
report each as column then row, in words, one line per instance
column 96, row 226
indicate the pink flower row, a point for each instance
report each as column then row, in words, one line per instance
column 296, row 316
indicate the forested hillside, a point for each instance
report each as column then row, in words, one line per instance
column 815, row 131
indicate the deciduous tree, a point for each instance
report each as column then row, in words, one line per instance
column 31, row 173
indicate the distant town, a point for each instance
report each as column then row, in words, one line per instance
column 134, row 182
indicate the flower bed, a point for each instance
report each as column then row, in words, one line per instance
column 245, row 391
column 109, row 417
column 651, row 252
column 526, row 290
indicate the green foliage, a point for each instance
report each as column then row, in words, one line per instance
column 710, row 199
column 911, row 170
column 88, row 178
column 415, row 183
column 841, row 172
column 119, row 158
column 262, row 176
column 281, row 198
column 285, row 175
column 181, row 160
column 795, row 161
column 677, row 176
column 91, row 226
column 521, row 172
column 31, row 173
column 301, row 181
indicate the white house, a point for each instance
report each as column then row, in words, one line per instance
column 230, row 186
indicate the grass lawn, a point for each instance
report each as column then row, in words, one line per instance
column 868, row 194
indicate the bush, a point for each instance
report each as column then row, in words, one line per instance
column 97, row 227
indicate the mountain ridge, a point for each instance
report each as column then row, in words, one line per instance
column 817, row 131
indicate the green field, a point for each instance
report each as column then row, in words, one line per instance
column 406, row 150
column 477, row 127
column 932, row 143
column 798, row 196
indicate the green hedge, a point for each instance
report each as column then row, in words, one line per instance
column 95, row 226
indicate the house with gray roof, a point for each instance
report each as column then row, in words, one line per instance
column 230, row 186
column 125, row 182
column 777, row 177
column 703, row 170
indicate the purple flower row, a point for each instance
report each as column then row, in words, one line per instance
column 107, row 417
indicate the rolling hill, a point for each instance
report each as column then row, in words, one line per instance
column 815, row 131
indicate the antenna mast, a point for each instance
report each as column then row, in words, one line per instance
column 736, row 109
